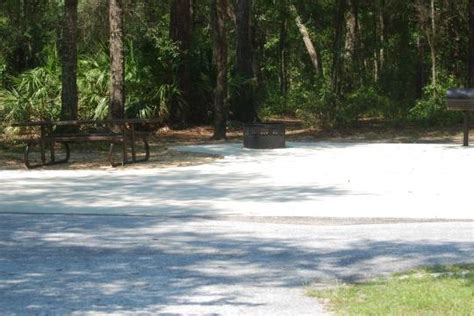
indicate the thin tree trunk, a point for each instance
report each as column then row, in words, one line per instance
column 338, row 46
column 181, row 34
column 244, row 101
column 433, row 42
column 218, row 15
column 117, row 62
column 259, row 39
column 20, row 52
column 380, row 27
column 69, row 61
column 382, row 36
column 471, row 43
column 283, row 51
column 310, row 48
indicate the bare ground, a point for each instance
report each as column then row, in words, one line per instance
column 94, row 156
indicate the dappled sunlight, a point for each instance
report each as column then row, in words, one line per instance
column 103, row 263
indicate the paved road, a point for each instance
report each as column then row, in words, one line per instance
column 132, row 264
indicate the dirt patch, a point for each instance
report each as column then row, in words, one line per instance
column 94, row 156
column 378, row 131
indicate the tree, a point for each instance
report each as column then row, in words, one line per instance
column 380, row 39
column 427, row 23
column 312, row 52
column 471, row 43
column 117, row 62
column 25, row 29
column 432, row 41
column 218, row 13
column 378, row 57
column 283, row 49
column 244, row 100
column 352, row 34
column 181, row 33
column 69, row 61
column 338, row 46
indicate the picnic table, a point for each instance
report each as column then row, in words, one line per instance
column 46, row 135
column 461, row 99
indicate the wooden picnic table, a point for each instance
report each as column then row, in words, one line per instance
column 461, row 99
column 46, row 134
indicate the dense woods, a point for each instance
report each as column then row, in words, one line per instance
column 184, row 62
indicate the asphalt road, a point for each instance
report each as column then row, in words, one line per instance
column 65, row 264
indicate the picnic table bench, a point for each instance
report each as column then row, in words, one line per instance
column 47, row 134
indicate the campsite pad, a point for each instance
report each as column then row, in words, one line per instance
column 417, row 181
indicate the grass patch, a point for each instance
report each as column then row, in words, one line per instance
column 441, row 290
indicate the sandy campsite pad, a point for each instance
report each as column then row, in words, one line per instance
column 306, row 179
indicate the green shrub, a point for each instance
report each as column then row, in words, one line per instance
column 35, row 95
column 149, row 95
column 315, row 105
column 431, row 108
column 366, row 101
column 93, row 85
column 3, row 73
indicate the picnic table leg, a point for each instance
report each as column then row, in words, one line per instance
column 132, row 142
column 124, row 145
column 51, row 150
column 466, row 129
column 111, row 152
column 67, row 153
column 26, row 157
column 147, row 149
column 43, row 144
column 51, row 146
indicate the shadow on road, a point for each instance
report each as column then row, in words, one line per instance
column 137, row 264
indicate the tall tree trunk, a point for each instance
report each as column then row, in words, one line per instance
column 433, row 42
column 352, row 32
column 471, row 43
column 181, row 33
column 117, row 61
column 20, row 55
column 338, row 46
column 380, row 34
column 69, row 61
column 312, row 52
column 244, row 101
column 283, row 51
column 353, row 67
column 454, row 33
column 218, row 15
column 259, row 39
